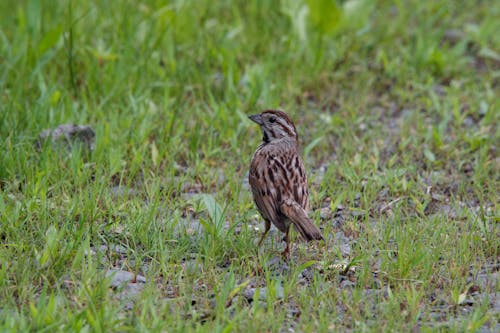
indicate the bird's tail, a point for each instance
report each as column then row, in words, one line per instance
column 302, row 223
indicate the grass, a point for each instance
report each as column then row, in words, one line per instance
column 397, row 107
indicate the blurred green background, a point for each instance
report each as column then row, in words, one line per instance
column 396, row 103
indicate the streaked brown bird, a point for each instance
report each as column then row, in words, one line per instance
column 278, row 179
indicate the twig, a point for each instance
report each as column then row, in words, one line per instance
column 389, row 205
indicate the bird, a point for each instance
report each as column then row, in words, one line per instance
column 278, row 179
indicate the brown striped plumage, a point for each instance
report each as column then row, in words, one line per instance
column 278, row 178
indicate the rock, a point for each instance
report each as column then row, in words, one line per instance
column 325, row 213
column 114, row 248
column 345, row 249
column 90, row 252
column 67, row 136
column 307, row 274
column 496, row 303
column 120, row 278
column 131, row 290
column 128, row 285
column 189, row 226
column 277, row 266
column 249, row 293
column 347, row 284
column 345, row 243
column 439, row 89
column 192, row 267
column 469, row 122
column 358, row 213
column 122, row 191
column 453, row 36
column 488, row 280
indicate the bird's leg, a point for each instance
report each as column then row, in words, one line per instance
column 268, row 226
column 286, row 253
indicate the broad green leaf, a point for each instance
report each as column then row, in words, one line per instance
column 429, row 155
column 208, row 226
column 49, row 40
column 325, row 15
column 213, row 208
column 55, row 97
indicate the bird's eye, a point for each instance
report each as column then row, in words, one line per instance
column 272, row 119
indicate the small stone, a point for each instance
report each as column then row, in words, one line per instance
column 467, row 168
column 357, row 213
column 249, row 293
column 469, row 122
column 113, row 247
column 439, row 89
column 68, row 135
column 345, row 249
column 120, row 277
column 383, row 193
column 496, row 303
column 279, row 293
column 90, row 252
column 122, row 191
column 347, row 284
column 453, row 36
column 325, row 213
column 192, row 267
column 278, row 266
column 307, row 274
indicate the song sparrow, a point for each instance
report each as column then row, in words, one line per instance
column 278, row 178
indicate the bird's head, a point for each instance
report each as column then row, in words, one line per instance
column 275, row 125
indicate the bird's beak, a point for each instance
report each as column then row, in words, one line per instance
column 256, row 118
